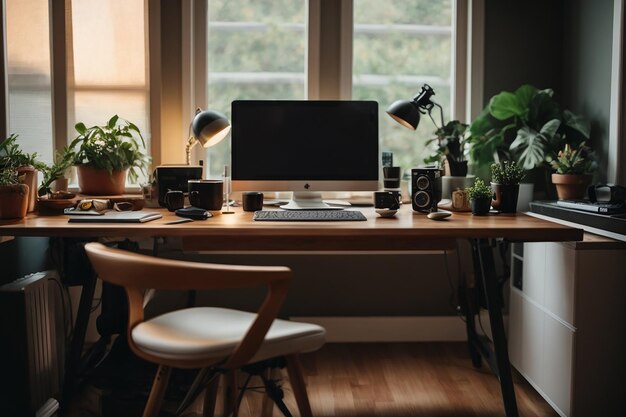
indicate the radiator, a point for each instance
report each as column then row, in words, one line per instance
column 31, row 349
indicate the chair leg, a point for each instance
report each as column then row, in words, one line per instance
column 157, row 392
column 267, row 408
column 231, row 406
column 210, row 397
column 296, row 379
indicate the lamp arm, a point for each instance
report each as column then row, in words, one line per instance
column 440, row 114
column 190, row 144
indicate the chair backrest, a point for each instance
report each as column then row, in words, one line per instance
column 136, row 272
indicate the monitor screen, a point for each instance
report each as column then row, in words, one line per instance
column 305, row 145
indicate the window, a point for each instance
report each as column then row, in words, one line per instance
column 107, row 74
column 259, row 50
column 255, row 50
column 106, row 68
column 398, row 46
column 29, row 88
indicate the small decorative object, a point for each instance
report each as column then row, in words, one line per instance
column 26, row 165
column 505, row 179
column 13, row 194
column 574, row 168
column 480, row 197
column 461, row 200
column 105, row 153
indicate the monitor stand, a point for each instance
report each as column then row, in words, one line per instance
column 307, row 200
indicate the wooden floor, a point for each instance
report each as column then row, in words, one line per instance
column 397, row 380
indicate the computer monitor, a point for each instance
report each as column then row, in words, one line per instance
column 305, row 147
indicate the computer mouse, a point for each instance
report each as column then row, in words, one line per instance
column 439, row 215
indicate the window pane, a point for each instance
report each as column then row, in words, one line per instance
column 398, row 46
column 256, row 50
column 109, row 64
column 28, row 58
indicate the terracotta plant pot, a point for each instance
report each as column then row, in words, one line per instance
column 13, row 201
column 100, row 181
column 571, row 186
column 30, row 178
column 505, row 197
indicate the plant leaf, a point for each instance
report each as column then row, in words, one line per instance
column 530, row 145
column 112, row 121
column 577, row 122
column 506, row 105
column 80, row 128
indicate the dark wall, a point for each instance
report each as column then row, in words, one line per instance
column 523, row 45
column 587, row 63
column 22, row 256
column 564, row 45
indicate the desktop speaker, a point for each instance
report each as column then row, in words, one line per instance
column 426, row 189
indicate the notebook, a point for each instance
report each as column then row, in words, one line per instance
column 118, row 217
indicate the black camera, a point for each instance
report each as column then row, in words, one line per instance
column 387, row 200
column 425, row 189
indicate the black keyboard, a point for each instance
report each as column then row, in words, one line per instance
column 308, row 215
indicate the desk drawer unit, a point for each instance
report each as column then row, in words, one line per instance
column 567, row 332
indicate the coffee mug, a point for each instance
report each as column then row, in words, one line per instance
column 252, row 201
column 174, row 200
column 391, row 177
column 206, row 194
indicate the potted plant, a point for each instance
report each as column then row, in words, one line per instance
column 480, row 197
column 450, row 150
column 574, row 168
column 13, row 194
column 25, row 164
column 450, row 153
column 104, row 154
column 526, row 126
column 54, row 178
column 505, row 179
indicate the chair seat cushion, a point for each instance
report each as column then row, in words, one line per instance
column 204, row 333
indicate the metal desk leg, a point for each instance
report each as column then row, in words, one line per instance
column 78, row 341
column 486, row 269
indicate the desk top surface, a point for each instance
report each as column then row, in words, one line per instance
column 398, row 232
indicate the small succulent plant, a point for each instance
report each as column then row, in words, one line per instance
column 574, row 161
column 479, row 190
column 506, row 173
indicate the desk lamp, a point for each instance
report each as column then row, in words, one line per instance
column 407, row 113
column 208, row 128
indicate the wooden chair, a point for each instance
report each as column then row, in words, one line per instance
column 218, row 340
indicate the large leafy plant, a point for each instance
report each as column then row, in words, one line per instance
column 112, row 147
column 527, row 126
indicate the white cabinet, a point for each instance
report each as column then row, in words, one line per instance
column 567, row 324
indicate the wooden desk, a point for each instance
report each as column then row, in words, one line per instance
column 406, row 231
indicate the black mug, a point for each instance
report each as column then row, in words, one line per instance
column 252, row 201
column 206, row 194
column 391, row 177
column 174, row 200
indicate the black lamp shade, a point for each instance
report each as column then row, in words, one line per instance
column 210, row 127
column 405, row 112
